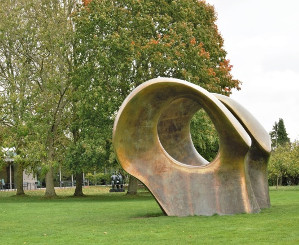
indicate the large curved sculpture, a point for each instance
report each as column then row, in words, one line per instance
column 152, row 141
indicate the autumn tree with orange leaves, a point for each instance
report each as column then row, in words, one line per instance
column 121, row 44
column 133, row 41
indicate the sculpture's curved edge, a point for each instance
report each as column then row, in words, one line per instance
column 234, row 121
column 252, row 126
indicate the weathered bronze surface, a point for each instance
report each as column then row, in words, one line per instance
column 152, row 142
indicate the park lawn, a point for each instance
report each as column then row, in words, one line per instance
column 114, row 218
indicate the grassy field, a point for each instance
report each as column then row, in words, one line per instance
column 103, row 218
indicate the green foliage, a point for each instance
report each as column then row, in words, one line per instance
column 204, row 135
column 279, row 134
column 126, row 43
column 91, row 151
column 36, row 62
column 284, row 165
column 98, row 178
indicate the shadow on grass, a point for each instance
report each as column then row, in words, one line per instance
column 150, row 215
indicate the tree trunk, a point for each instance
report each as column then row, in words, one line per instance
column 277, row 182
column 50, row 191
column 19, row 180
column 79, row 183
column 133, row 185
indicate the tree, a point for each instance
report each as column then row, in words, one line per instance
column 279, row 134
column 121, row 44
column 91, row 146
column 55, row 60
column 293, row 167
column 16, row 86
column 277, row 164
column 284, row 165
column 36, row 69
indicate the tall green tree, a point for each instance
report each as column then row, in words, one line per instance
column 36, row 71
column 279, row 135
column 121, row 44
column 17, row 88
column 91, row 147
column 278, row 164
column 55, row 61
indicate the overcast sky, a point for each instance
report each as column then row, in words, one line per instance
column 261, row 38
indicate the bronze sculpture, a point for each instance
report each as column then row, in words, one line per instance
column 152, row 141
column 117, row 183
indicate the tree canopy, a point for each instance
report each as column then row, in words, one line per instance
column 65, row 69
column 129, row 42
column 284, row 165
column 279, row 135
column 120, row 45
column 36, row 63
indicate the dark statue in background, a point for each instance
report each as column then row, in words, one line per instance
column 117, row 183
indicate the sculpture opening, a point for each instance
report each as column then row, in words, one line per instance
column 174, row 131
column 204, row 135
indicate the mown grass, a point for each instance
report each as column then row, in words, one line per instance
column 114, row 218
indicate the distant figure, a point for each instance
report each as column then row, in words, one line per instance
column 114, row 181
column 117, row 183
column 2, row 184
column 121, row 181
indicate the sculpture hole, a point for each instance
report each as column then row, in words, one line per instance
column 204, row 135
column 197, row 148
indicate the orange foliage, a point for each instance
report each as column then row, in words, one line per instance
column 204, row 53
column 211, row 72
column 86, row 2
column 200, row 45
column 153, row 41
column 165, row 36
column 193, row 41
column 177, row 53
column 225, row 66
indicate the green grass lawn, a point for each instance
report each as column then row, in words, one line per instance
column 104, row 218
